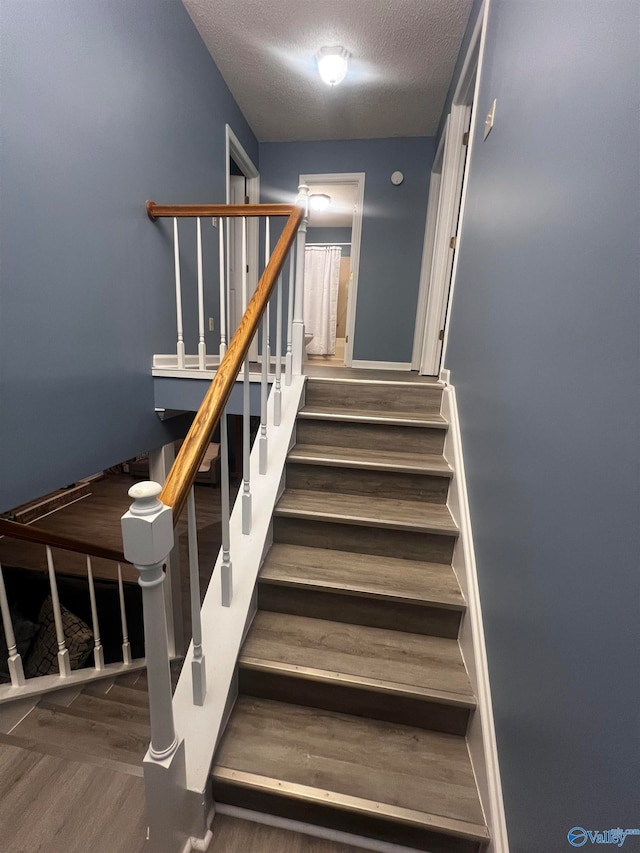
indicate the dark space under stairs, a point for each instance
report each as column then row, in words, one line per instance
column 354, row 699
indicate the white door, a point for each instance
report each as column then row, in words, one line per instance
column 237, row 192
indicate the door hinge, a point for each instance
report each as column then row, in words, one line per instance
column 441, row 335
column 247, row 267
column 346, row 340
column 465, row 138
column 453, row 242
column 246, row 199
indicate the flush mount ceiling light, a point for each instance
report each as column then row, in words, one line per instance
column 319, row 201
column 332, row 64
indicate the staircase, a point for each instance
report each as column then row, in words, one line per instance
column 354, row 699
column 71, row 774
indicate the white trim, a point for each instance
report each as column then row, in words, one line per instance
column 233, row 148
column 481, row 23
column 481, row 738
column 314, row 830
column 382, row 365
column 435, row 184
column 50, row 683
column 356, row 237
column 223, row 627
column 207, row 375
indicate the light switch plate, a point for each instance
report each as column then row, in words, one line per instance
column 488, row 122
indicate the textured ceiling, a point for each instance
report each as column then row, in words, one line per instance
column 403, row 54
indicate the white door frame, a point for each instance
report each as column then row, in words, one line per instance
column 435, row 187
column 356, row 236
column 234, row 149
column 438, row 254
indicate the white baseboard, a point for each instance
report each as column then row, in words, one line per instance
column 481, row 738
column 382, row 365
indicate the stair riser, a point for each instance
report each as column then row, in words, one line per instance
column 350, row 699
column 358, row 481
column 419, row 399
column 369, row 826
column 409, row 545
column 359, row 610
column 380, row 436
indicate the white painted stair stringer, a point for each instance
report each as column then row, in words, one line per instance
column 481, row 737
column 223, row 627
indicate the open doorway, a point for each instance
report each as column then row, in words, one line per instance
column 242, row 187
column 332, row 257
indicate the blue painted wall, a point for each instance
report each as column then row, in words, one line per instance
column 545, row 353
column 392, row 228
column 104, row 105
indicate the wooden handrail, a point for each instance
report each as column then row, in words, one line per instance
column 29, row 533
column 157, row 211
column 184, row 469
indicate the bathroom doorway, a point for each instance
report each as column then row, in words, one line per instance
column 332, row 259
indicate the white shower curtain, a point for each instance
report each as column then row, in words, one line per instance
column 321, row 275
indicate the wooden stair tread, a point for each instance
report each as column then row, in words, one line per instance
column 367, row 510
column 81, row 736
column 416, row 664
column 362, row 574
column 369, row 416
column 381, row 460
column 45, row 801
column 403, row 773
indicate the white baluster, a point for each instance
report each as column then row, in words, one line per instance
column 226, row 573
column 14, row 660
column 264, row 388
column 246, row 402
column 277, row 394
column 262, row 447
column 267, row 255
column 198, row 671
column 63, row 655
column 126, row 645
column 176, row 262
column 298, row 308
column 147, row 533
column 288, row 361
column 202, row 347
column 223, row 286
column 98, row 652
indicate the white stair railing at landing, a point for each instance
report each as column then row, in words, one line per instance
column 184, row 730
column 212, row 286
column 20, row 686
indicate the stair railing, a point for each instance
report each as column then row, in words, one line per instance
column 21, row 686
column 147, row 527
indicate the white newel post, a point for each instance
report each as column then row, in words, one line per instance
column 147, row 534
column 298, row 308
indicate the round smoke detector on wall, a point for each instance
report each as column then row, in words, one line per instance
column 397, row 178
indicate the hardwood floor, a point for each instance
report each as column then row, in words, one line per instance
column 51, row 804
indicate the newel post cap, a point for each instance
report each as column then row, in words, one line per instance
column 147, row 528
